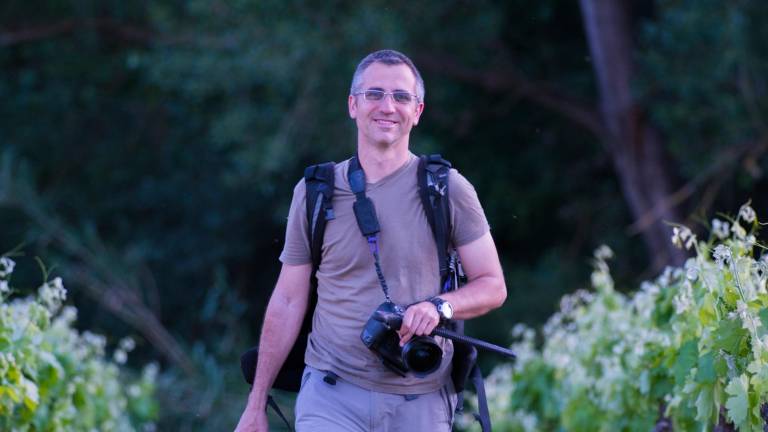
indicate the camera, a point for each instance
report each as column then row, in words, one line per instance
column 421, row 355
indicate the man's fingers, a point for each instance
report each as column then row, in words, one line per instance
column 423, row 327
column 408, row 327
column 417, row 321
column 429, row 326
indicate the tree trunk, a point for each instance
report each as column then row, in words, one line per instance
column 635, row 146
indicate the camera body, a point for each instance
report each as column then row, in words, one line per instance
column 421, row 355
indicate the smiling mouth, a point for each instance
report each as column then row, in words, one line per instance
column 382, row 122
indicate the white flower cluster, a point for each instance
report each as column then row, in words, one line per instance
column 6, row 267
column 683, row 237
column 721, row 229
column 125, row 346
column 722, row 256
column 691, row 270
column 739, row 231
column 683, row 301
column 94, row 341
column 603, row 253
column 747, row 213
column 52, row 294
column 601, row 275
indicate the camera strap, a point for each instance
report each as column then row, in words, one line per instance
column 365, row 213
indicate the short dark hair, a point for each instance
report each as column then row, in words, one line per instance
column 391, row 58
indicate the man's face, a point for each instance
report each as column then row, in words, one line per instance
column 385, row 122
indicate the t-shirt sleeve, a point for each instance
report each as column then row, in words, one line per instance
column 468, row 222
column 296, row 250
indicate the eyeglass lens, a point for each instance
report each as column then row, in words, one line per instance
column 398, row 96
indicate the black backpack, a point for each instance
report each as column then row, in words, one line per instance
column 434, row 192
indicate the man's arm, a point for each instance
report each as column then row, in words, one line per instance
column 282, row 322
column 485, row 290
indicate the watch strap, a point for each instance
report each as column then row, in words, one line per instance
column 438, row 302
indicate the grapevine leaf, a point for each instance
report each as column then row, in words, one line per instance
column 759, row 380
column 661, row 384
column 707, row 313
column 738, row 402
column 14, row 375
column 705, row 403
column 721, row 366
column 728, row 336
column 11, row 392
column 686, row 360
column 706, row 370
column 79, row 398
column 52, row 370
column 730, row 296
column 763, row 314
column 31, row 402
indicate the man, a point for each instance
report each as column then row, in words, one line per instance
column 345, row 387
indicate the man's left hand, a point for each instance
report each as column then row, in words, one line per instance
column 420, row 319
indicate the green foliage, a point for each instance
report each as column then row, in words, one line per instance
column 704, row 68
column 53, row 377
column 611, row 362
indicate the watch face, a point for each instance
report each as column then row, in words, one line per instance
column 446, row 310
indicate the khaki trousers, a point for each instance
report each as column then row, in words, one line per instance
column 327, row 403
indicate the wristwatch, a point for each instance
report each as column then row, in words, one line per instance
column 444, row 309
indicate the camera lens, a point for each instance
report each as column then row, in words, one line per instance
column 422, row 355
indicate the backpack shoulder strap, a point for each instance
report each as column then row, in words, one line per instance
column 433, row 190
column 435, row 197
column 319, row 184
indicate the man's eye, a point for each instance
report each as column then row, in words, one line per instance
column 402, row 97
column 374, row 94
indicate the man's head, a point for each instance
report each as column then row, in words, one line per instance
column 386, row 99
column 390, row 58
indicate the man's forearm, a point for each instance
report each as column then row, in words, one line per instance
column 281, row 327
column 480, row 295
column 477, row 297
column 282, row 322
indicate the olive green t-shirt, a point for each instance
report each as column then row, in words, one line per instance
column 348, row 288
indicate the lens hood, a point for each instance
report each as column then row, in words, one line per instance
column 422, row 355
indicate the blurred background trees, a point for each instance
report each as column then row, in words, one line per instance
column 149, row 149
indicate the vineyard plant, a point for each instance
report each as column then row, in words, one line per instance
column 54, row 378
column 687, row 351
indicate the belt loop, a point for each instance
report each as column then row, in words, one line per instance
column 330, row 378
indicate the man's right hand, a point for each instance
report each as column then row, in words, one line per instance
column 282, row 322
column 253, row 420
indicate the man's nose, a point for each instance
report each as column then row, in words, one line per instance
column 388, row 103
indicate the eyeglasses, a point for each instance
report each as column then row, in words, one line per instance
column 399, row 96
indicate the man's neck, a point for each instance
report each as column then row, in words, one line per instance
column 378, row 162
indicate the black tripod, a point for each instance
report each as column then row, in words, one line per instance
column 393, row 321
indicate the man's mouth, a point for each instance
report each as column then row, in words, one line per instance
column 382, row 122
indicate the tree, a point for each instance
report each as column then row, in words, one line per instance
column 635, row 146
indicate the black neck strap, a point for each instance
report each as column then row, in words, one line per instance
column 365, row 213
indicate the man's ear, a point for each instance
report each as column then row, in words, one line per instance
column 352, row 105
column 419, row 110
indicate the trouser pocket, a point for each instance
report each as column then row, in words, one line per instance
column 305, row 378
column 449, row 398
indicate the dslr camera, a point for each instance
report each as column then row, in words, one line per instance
column 421, row 355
